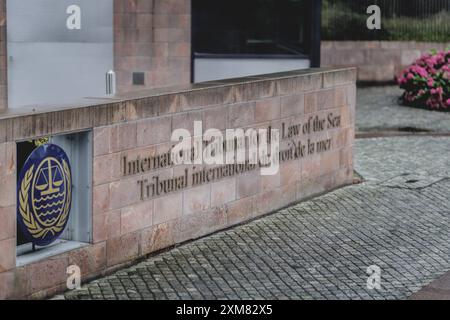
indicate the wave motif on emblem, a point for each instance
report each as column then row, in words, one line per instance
column 49, row 192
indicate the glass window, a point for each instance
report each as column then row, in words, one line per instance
column 59, row 51
column 270, row 27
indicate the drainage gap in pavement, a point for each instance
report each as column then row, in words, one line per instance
column 411, row 181
column 413, row 130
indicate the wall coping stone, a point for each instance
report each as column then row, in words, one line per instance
column 86, row 113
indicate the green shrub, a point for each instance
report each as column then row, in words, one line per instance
column 342, row 21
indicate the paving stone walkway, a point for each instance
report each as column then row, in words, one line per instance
column 378, row 110
column 397, row 220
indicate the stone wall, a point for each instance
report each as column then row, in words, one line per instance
column 128, row 225
column 377, row 61
column 152, row 37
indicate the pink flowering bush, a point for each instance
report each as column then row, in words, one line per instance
column 427, row 82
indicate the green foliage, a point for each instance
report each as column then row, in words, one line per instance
column 343, row 21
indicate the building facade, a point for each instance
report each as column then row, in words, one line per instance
column 61, row 51
column 93, row 181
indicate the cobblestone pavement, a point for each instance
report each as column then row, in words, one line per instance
column 319, row 249
column 378, row 110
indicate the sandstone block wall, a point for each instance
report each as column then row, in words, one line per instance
column 127, row 225
column 152, row 37
column 377, row 61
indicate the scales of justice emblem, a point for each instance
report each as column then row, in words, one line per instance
column 44, row 195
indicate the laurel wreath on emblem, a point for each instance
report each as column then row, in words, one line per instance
column 28, row 219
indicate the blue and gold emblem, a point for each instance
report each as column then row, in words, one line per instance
column 44, row 194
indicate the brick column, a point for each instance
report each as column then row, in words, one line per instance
column 7, row 217
column 153, row 39
column 3, row 57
